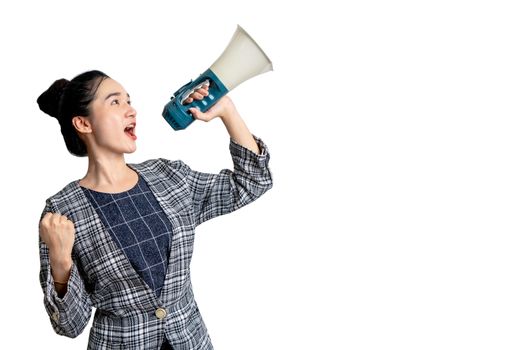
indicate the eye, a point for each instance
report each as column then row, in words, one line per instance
column 129, row 102
column 115, row 102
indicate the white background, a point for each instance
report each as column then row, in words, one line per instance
column 396, row 132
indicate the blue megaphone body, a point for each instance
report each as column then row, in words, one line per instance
column 241, row 60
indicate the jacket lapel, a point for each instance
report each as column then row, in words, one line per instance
column 170, row 190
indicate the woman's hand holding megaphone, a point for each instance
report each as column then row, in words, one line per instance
column 225, row 109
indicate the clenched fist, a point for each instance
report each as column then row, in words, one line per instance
column 58, row 233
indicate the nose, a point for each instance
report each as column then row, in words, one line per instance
column 131, row 112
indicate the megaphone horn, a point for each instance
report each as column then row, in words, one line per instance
column 241, row 60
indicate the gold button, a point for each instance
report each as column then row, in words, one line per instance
column 55, row 316
column 160, row 313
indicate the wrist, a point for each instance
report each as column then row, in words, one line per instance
column 61, row 274
column 61, row 264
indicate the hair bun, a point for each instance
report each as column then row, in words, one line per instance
column 49, row 100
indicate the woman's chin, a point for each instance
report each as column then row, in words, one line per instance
column 131, row 150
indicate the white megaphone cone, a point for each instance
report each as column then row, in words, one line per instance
column 241, row 60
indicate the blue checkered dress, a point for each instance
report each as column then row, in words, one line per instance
column 139, row 227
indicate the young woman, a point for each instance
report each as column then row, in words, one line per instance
column 121, row 238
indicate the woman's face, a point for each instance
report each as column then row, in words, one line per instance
column 112, row 120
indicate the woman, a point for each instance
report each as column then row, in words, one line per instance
column 121, row 238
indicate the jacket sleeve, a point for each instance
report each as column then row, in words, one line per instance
column 218, row 194
column 70, row 314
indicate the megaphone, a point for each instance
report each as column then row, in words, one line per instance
column 241, row 60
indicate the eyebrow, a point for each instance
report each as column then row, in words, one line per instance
column 113, row 94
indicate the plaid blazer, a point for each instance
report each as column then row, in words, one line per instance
column 128, row 313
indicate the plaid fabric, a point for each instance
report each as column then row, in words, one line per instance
column 128, row 313
column 140, row 228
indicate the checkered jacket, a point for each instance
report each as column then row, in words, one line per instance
column 128, row 313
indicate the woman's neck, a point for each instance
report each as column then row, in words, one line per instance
column 109, row 174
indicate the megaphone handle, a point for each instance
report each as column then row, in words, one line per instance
column 191, row 91
column 216, row 90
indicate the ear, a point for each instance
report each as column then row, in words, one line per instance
column 82, row 124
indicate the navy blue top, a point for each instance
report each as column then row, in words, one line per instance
column 139, row 227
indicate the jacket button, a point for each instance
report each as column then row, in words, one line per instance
column 160, row 313
column 55, row 316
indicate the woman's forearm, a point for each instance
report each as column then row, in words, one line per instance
column 238, row 130
column 60, row 269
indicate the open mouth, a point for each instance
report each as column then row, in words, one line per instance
column 130, row 131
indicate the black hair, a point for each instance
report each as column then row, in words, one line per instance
column 65, row 99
